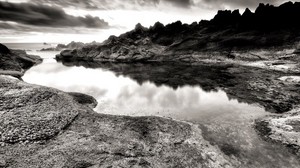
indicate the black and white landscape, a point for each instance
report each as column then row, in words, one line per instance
column 158, row 83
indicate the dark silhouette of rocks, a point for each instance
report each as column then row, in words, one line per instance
column 265, row 17
column 229, row 34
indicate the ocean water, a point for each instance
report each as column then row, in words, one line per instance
column 226, row 123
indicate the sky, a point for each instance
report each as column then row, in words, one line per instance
column 63, row 21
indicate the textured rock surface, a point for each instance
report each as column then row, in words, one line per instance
column 31, row 113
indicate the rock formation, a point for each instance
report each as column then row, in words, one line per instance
column 16, row 62
column 228, row 35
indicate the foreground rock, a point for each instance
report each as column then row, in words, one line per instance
column 248, row 37
column 16, row 62
column 30, row 113
column 44, row 127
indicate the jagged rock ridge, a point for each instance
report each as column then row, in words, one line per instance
column 229, row 34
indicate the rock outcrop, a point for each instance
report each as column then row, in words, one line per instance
column 229, row 35
column 16, row 62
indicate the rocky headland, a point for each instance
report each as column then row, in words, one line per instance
column 268, row 33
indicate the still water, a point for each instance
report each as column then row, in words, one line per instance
column 225, row 122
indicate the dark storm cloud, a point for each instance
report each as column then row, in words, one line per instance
column 21, row 28
column 47, row 16
column 113, row 4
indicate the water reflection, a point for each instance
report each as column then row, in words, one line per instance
column 122, row 95
column 179, row 92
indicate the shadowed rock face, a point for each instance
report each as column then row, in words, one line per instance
column 229, row 32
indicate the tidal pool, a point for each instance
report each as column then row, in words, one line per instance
column 169, row 91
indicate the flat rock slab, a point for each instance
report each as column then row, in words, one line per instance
column 31, row 112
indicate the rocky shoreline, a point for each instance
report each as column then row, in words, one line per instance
column 45, row 127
